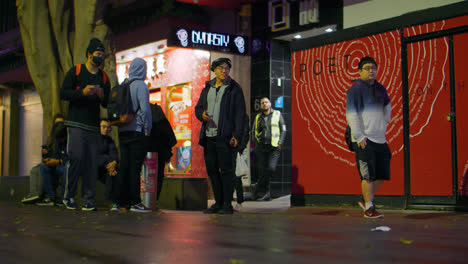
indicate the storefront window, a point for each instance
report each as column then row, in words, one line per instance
column 155, row 95
column 179, row 111
column 175, row 78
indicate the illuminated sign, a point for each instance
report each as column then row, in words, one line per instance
column 199, row 39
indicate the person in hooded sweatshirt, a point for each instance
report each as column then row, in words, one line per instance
column 132, row 140
column 86, row 88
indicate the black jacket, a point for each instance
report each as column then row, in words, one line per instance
column 245, row 137
column 162, row 137
column 107, row 151
column 232, row 112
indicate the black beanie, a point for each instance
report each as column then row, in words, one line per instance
column 220, row 61
column 94, row 44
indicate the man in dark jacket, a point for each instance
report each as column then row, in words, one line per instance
column 221, row 108
column 86, row 88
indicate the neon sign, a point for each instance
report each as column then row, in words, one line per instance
column 208, row 41
column 215, row 39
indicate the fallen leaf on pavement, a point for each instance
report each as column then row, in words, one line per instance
column 406, row 242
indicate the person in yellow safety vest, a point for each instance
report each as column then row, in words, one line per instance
column 269, row 134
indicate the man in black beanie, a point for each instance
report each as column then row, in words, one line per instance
column 221, row 109
column 85, row 87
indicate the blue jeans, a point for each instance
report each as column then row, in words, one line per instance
column 50, row 178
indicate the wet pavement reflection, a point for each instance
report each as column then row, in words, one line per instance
column 266, row 232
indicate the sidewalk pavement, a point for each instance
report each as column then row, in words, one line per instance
column 262, row 232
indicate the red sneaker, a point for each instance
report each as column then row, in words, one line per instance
column 372, row 213
column 362, row 204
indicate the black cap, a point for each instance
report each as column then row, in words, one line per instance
column 94, row 44
column 220, row 61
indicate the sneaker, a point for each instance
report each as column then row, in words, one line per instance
column 238, row 207
column 212, row 210
column 362, row 204
column 226, row 210
column 140, row 208
column 30, row 199
column 115, row 207
column 58, row 202
column 70, row 203
column 46, row 202
column 265, row 197
column 372, row 213
column 89, row 207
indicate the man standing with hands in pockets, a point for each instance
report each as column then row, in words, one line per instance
column 86, row 88
column 221, row 108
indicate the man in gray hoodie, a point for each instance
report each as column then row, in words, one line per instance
column 132, row 140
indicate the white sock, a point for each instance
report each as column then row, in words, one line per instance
column 369, row 205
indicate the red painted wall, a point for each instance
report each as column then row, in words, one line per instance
column 322, row 163
column 322, row 160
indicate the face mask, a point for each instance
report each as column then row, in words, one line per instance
column 98, row 61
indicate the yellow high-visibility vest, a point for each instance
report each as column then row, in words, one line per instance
column 274, row 128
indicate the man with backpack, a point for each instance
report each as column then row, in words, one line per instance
column 368, row 111
column 133, row 144
column 86, row 88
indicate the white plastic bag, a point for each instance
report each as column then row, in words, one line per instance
column 241, row 166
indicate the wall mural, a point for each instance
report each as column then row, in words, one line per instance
column 321, row 76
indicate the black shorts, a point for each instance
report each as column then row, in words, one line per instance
column 373, row 162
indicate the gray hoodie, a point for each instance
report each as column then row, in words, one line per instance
column 140, row 98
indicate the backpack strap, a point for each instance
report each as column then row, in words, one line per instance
column 104, row 77
column 104, row 74
column 78, row 69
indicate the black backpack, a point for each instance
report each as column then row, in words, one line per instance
column 347, row 136
column 120, row 106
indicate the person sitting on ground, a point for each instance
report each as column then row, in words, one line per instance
column 53, row 159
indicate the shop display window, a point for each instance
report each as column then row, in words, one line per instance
column 179, row 112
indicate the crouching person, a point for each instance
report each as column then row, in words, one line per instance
column 108, row 161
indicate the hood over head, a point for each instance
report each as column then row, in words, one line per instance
column 137, row 69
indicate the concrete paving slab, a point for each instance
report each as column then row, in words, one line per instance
column 264, row 232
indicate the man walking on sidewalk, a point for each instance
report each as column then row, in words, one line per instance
column 368, row 111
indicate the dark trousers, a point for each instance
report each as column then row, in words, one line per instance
column 132, row 154
column 237, row 181
column 266, row 158
column 51, row 177
column 160, row 176
column 109, row 182
column 218, row 161
column 82, row 149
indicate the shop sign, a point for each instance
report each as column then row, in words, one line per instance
column 308, row 12
column 199, row 39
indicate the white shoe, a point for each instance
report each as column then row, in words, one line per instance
column 238, row 207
